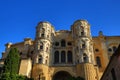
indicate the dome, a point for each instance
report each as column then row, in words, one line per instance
column 42, row 23
column 81, row 22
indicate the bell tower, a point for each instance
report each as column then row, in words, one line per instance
column 43, row 43
column 83, row 49
column 83, row 42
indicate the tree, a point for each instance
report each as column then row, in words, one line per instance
column 8, row 76
column 11, row 64
column 11, row 67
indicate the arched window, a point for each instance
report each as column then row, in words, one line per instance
column 40, row 59
column 56, row 57
column 83, row 44
column 69, row 57
column 63, row 43
column 42, row 32
column 41, row 45
column 98, row 61
column 85, row 58
column 63, row 57
column 82, row 31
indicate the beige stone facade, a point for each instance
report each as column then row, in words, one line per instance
column 58, row 55
column 112, row 71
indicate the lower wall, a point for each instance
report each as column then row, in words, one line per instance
column 87, row 71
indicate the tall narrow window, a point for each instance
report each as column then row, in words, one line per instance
column 42, row 32
column 98, row 61
column 69, row 57
column 113, row 74
column 40, row 59
column 56, row 57
column 83, row 44
column 82, row 31
column 85, row 58
column 41, row 45
column 63, row 57
column 63, row 43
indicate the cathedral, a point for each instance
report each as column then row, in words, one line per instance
column 59, row 55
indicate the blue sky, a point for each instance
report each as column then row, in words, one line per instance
column 18, row 18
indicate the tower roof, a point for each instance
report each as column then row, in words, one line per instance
column 42, row 22
column 80, row 21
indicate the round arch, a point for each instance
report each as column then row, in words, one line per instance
column 61, row 75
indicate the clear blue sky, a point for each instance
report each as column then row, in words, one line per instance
column 18, row 18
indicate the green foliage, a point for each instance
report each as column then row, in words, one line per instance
column 5, row 76
column 8, row 76
column 11, row 64
column 11, row 67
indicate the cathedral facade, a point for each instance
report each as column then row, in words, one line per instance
column 59, row 55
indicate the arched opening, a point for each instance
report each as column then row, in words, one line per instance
column 83, row 45
column 40, row 59
column 42, row 32
column 82, row 31
column 62, row 75
column 63, row 43
column 85, row 58
column 41, row 46
column 56, row 57
column 63, row 57
column 69, row 57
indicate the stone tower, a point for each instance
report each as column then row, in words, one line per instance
column 43, row 43
column 83, row 48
